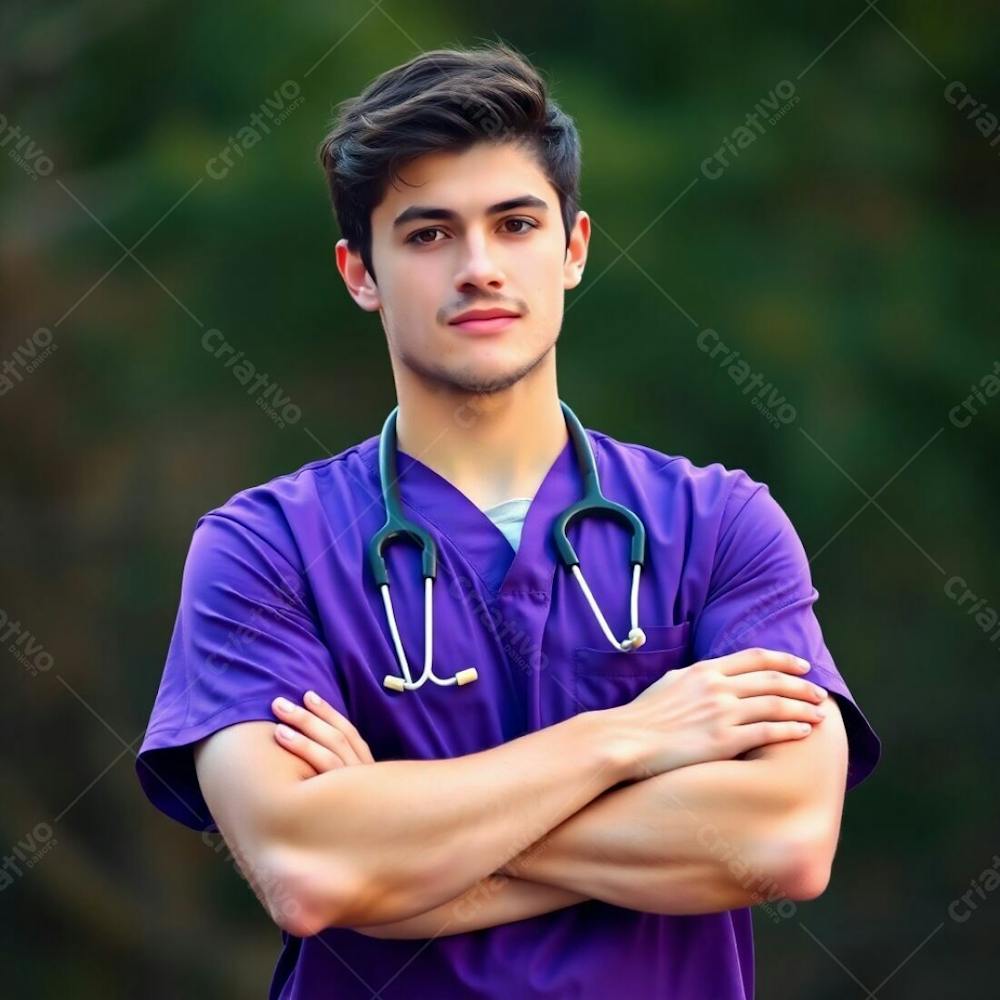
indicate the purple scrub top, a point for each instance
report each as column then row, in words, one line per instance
column 277, row 598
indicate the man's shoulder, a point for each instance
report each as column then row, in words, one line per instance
column 269, row 508
column 712, row 485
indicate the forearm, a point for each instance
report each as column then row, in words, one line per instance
column 376, row 844
column 497, row 899
column 700, row 839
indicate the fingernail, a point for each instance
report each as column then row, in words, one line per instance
column 284, row 705
column 820, row 692
column 313, row 698
column 803, row 664
column 287, row 734
column 804, row 727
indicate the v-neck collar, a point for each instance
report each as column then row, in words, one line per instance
column 480, row 542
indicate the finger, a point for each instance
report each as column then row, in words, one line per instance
column 318, row 757
column 312, row 726
column 759, row 682
column 774, row 708
column 747, row 660
column 758, row 734
column 329, row 714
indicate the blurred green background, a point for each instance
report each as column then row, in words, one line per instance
column 846, row 253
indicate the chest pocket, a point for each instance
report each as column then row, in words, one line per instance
column 606, row 678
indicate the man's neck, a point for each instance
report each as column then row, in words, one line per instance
column 491, row 447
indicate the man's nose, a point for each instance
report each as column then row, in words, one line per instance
column 479, row 265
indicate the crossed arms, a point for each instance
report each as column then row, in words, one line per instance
column 705, row 838
column 416, row 849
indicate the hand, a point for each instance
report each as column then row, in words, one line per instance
column 319, row 734
column 716, row 710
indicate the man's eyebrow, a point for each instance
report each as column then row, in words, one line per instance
column 448, row 215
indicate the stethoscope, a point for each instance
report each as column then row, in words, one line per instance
column 398, row 526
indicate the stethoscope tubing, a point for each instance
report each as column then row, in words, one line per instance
column 398, row 527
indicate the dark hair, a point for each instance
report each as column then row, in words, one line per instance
column 443, row 100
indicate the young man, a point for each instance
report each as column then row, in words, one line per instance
column 580, row 819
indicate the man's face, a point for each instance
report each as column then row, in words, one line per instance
column 477, row 230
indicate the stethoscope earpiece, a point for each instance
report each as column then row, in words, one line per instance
column 394, row 683
column 396, row 526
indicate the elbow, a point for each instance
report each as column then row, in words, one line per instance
column 806, row 866
column 811, row 883
column 311, row 894
column 306, row 894
column 794, row 858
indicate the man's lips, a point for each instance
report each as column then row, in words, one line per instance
column 484, row 320
column 491, row 325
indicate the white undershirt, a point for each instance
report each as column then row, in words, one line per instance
column 509, row 516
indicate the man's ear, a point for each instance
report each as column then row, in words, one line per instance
column 359, row 282
column 576, row 252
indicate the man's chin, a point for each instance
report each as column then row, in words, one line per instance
column 479, row 380
column 483, row 384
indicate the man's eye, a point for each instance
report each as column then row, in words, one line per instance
column 416, row 237
column 523, row 222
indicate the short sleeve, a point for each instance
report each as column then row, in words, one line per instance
column 244, row 634
column 761, row 594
